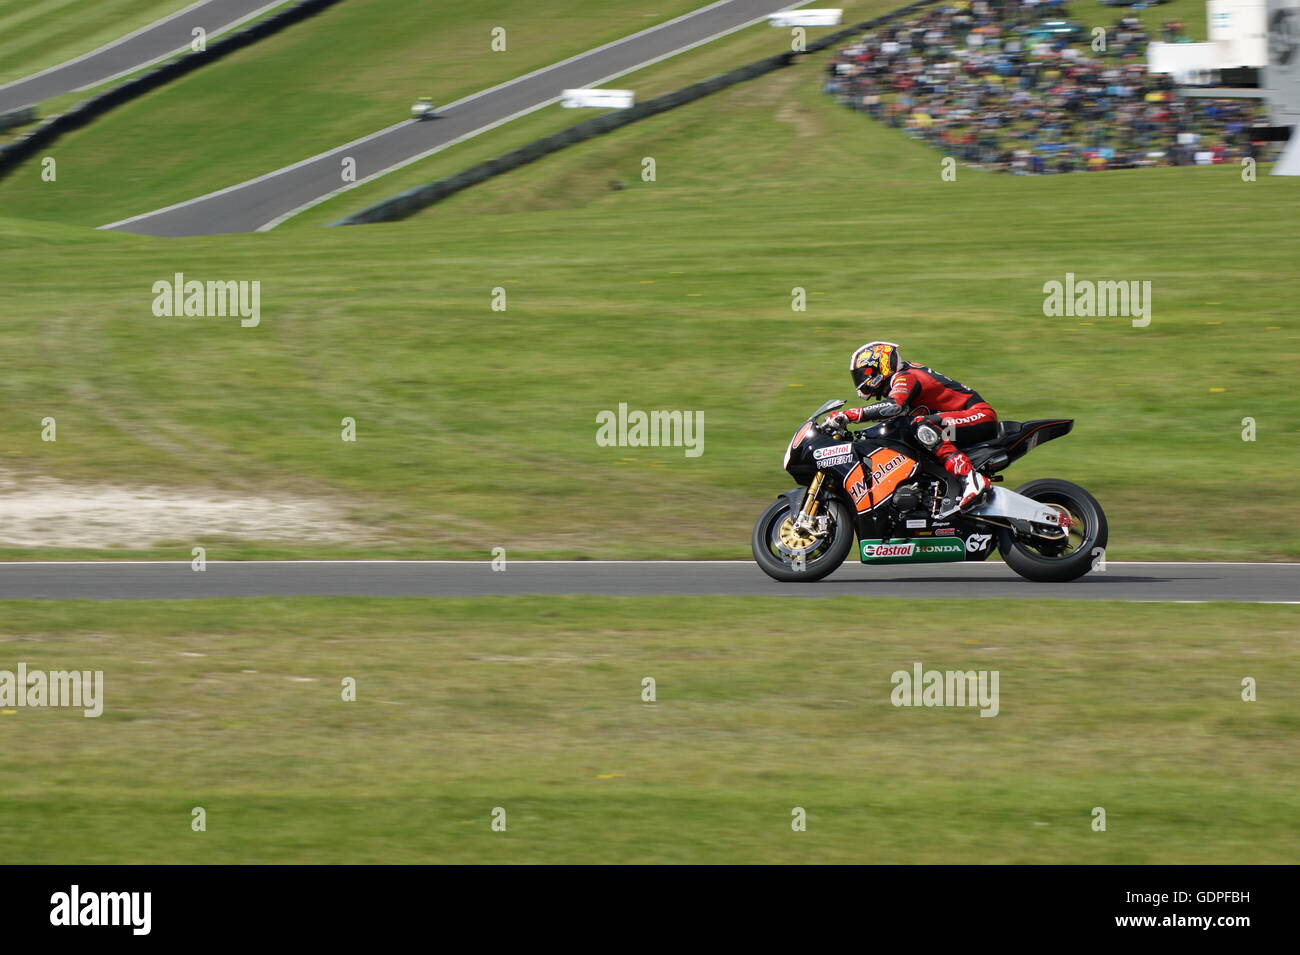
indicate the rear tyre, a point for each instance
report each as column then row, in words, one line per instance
column 776, row 545
column 1047, row 561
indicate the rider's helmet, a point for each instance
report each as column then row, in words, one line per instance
column 872, row 366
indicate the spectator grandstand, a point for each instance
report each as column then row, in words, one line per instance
column 1016, row 86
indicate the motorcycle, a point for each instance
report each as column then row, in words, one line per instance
column 877, row 484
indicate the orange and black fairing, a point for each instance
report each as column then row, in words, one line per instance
column 889, row 469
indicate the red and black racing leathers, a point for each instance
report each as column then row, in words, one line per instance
column 948, row 406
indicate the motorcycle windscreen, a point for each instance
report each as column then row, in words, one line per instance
column 889, row 469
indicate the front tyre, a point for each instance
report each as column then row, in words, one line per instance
column 776, row 544
column 1057, row 561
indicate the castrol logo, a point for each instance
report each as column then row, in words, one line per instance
column 888, row 550
column 833, row 451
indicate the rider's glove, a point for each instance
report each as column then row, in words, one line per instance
column 841, row 419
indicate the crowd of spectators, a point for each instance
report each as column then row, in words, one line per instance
column 984, row 81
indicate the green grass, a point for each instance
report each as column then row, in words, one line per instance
column 736, row 49
column 1091, row 14
column 717, row 57
column 381, row 58
column 38, row 34
column 534, row 705
column 476, row 428
column 54, row 105
column 353, row 69
column 1191, row 12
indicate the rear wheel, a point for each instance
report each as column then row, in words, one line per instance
column 1068, row 558
column 777, row 543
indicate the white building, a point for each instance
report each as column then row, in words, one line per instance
column 1238, row 36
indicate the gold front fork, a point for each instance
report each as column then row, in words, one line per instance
column 810, row 500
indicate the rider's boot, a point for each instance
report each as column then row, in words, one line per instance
column 973, row 488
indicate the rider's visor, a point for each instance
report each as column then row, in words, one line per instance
column 867, row 383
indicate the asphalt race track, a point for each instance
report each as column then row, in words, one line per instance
column 129, row 53
column 147, row 580
column 264, row 202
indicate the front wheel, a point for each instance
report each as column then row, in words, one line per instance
column 777, row 544
column 1069, row 558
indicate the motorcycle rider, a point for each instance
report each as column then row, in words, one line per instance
column 946, row 415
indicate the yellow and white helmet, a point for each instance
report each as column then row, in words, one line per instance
column 872, row 366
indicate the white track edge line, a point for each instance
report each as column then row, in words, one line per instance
column 214, row 33
column 107, row 46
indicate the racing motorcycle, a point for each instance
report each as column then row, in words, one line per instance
column 877, row 484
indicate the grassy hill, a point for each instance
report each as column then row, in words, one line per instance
column 476, row 428
column 717, row 57
column 353, row 69
column 366, row 62
column 38, row 34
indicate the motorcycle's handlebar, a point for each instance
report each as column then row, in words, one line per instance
column 832, row 432
column 887, row 426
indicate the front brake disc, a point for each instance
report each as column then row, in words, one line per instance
column 793, row 539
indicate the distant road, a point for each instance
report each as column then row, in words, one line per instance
column 262, row 203
column 159, row 39
column 150, row 580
